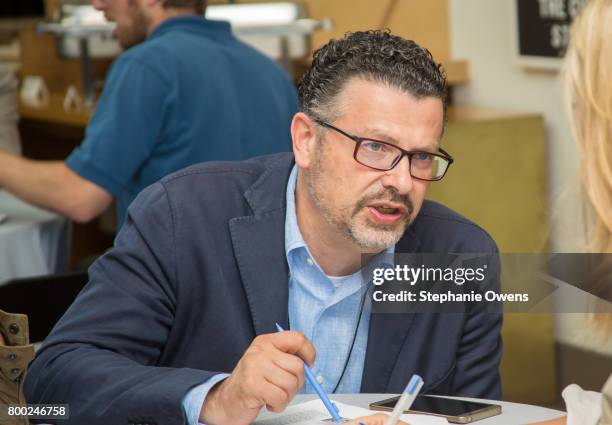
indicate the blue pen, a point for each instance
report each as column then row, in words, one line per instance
column 329, row 405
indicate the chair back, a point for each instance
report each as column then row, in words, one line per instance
column 44, row 299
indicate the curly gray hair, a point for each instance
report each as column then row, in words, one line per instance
column 375, row 56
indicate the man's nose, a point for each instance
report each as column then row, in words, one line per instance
column 99, row 4
column 399, row 177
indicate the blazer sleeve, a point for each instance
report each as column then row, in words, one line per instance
column 480, row 350
column 101, row 357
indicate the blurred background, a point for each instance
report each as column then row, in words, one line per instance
column 516, row 164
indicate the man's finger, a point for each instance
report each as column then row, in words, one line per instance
column 275, row 398
column 377, row 419
column 292, row 364
column 281, row 378
column 294, row 343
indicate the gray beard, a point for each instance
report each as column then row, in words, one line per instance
column 348, row 231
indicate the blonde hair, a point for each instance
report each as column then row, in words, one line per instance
column 587, row 73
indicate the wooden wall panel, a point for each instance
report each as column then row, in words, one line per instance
column 499, row 180
column 40, row 56
column 426, row 22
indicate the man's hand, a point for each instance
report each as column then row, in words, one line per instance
column 269, row 374
column 377, row 419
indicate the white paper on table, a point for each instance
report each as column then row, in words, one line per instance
column 314, row 413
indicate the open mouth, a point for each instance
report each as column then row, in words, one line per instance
column 387, row 210
column 386, row 213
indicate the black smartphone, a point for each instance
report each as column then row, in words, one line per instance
column 455, row 411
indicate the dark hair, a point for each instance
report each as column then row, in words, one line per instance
column 199, row 6
column 375, row 56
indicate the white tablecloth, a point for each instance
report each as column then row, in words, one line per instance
column 33, row 242
column 512, row 413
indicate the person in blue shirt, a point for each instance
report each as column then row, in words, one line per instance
column 185, row 91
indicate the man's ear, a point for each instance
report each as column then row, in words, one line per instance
column 304, row 137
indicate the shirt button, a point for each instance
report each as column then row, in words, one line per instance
column 320, row 379
column 309, row 261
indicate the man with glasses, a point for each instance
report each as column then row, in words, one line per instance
column 383, row 156
column 178, row 321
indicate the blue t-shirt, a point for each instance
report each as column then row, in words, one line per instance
column 191, row 92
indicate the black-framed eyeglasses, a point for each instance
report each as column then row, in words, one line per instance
column 383, row 156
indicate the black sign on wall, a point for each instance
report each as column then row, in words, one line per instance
column 543, row 26
column 19, row 8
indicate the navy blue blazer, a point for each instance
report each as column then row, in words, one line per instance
column 199, row 269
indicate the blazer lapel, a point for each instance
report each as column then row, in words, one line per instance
column 259, row 248
column 387, row 335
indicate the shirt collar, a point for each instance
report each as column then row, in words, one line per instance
column 194, row 23
column 293, row 236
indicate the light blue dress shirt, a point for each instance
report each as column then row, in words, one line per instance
column 324, row 308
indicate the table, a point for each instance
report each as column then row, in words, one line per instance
column 33, row 242
column 512, row 413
